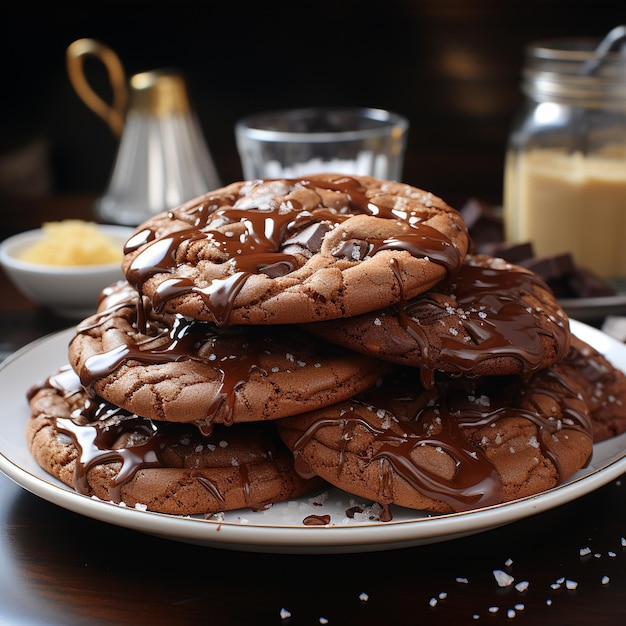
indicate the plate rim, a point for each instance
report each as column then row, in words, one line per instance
column 293, row 538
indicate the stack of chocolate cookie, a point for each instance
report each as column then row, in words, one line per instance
column 273, row 337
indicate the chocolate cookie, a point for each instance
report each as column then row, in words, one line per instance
column 183, row 370
column 466, row 443
column 602, row 386
column 294, row 251
column 492, row 318
column 102, row 451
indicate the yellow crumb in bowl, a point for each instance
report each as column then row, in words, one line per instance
column 72, row 242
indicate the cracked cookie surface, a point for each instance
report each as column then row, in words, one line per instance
column 295, row 250
column 601, row 384
column 491, row 318
column 185, row 370
column 107, row 453
column 465, row 444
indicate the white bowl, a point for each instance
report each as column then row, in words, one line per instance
column 69, row 291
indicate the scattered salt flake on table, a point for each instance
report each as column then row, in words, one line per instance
column 605, row 580
column 363, row 597
column 612, row 554
column 494, row 609
column 284, row 614
column 548, row 602
column 443, row 595
column 502, row 578
column 433, row 602
column 623, row 542
column 323, row 620
column 522, row 585
column 571, row 584
column 475, row 616
column 461, row 579
column 508, row 562
column 584, row 551
column 510, row 613
column 519, row 607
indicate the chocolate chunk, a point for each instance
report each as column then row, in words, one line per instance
column 274, row 270
column 484, row 222
column 585, row 284
column 551, row 268
column 511, row 252
column 353, row 250
column 560, row 271
column 567, row 279
column 306, row 241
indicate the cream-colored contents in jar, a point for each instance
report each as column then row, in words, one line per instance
column 570, row 202
column 72, row 242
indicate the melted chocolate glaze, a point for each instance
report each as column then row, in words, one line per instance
column 273, row 237
column 104, row 433
column 444, row 419
column 232, row 361
column 233, row 352
column 487, row 299
column 316, row 520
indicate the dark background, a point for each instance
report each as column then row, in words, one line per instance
column 451, row 66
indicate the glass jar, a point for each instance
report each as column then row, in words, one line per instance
column 565, row 172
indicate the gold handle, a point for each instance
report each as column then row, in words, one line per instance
column 112, row 114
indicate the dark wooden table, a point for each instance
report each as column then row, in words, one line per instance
column 58, row 567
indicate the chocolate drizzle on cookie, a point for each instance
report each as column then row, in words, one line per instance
column 438, row 441
column 486, row 296
column 263, row 235
column 233, row 361
column 276, row 336
column 240, row 372
column 490, row 318
column 105, row 434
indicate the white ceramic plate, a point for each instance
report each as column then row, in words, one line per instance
column 280, row 528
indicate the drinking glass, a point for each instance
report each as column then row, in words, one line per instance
column 341, row 140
